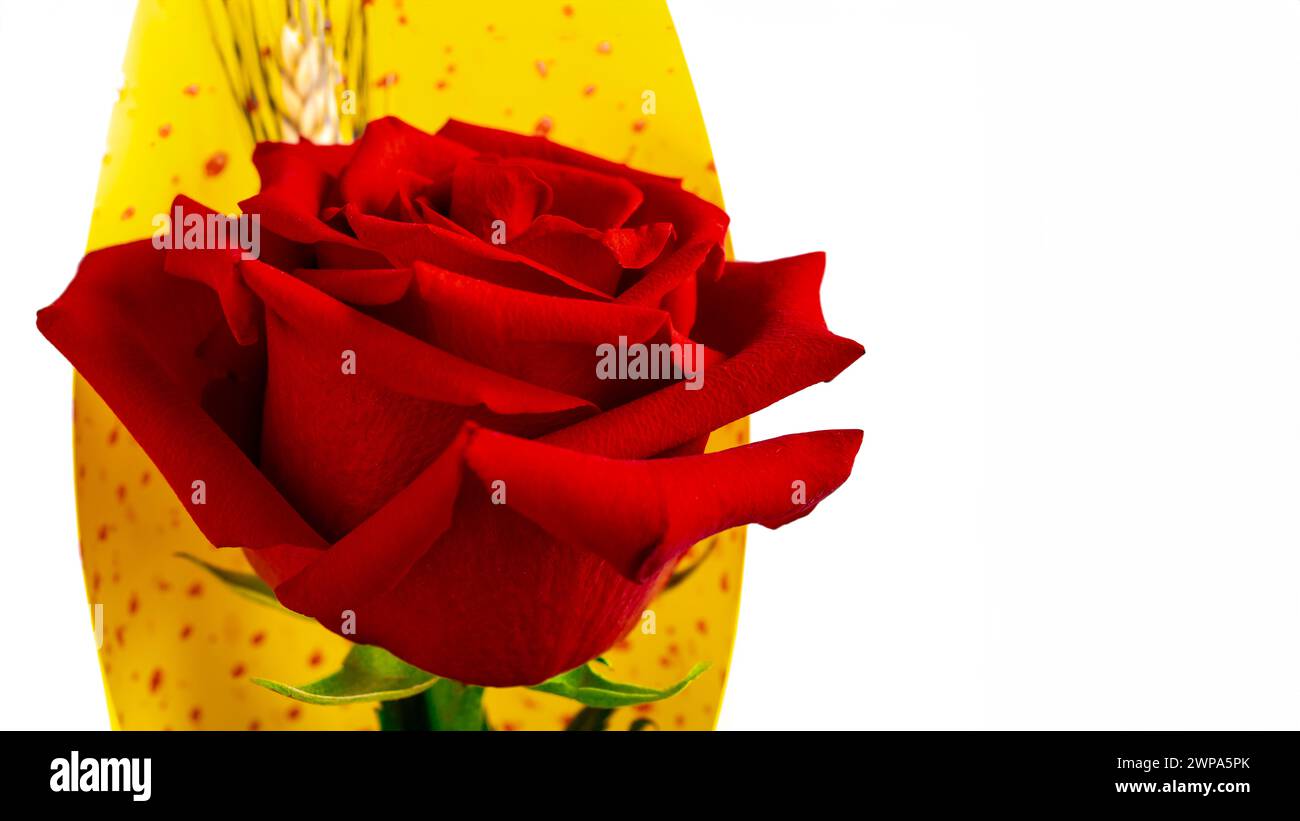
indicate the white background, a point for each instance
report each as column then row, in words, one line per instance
column 1068, row 234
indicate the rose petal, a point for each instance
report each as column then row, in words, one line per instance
column 597, row 258
column 642, row 515
column 640, row 246
column 156, row 349
column 293, row 194
column 695, row 219
column 379, row 552
column 359, row 286
column 544, row 340
column 404, row 244
column 339, row 444
column 218, row 269
column 779, row 344
column 509, row 144
column 387, row 149
column 329, row 158
column 538, row 586
column 487, row 196
column 589, row 198
column 676, row 273
column 421, row 211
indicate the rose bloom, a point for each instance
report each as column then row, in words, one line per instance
column 395, row 411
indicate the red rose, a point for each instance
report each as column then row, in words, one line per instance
column 397, row 411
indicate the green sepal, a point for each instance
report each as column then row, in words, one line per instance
column 368, row 674
column 585, row 686
column 243, row 584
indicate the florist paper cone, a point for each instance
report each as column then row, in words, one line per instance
column 179, row 648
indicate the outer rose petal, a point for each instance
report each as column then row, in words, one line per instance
column 156, row 349
column 767, row 316
column 340, row 444
column 546, row 341
column 217, row 268
column 359, row 286
column 381, row 550
column 512, row 594
column 642, row 515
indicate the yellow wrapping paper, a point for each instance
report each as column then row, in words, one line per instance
column 179, row 648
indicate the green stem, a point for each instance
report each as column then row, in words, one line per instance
column 411, row 713
column 447, row 705
column 456, row 706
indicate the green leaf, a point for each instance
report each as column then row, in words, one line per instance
column 243, row 584
column 585, row 686
column 368, row 674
